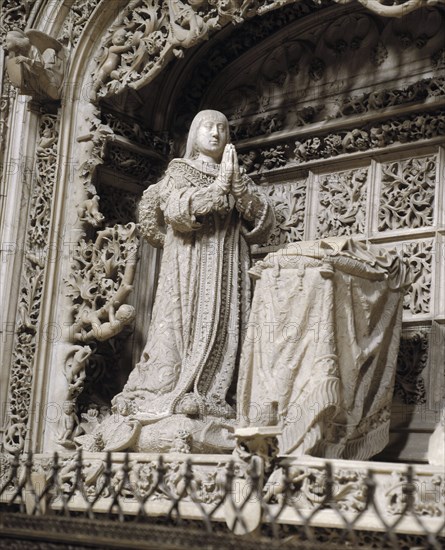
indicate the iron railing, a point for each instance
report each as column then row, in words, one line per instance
column 298, row 506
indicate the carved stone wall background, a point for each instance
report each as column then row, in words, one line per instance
column 28, row 328
column 337, row 153
column 344, row 153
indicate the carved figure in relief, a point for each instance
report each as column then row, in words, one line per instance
column 111, row 58
column 204, row 212
column 187, row 27
column 70, row 425
column 35, row 63
column 88, row 211
column 104, row 330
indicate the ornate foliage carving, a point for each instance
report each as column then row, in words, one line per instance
column 78, row 16
column 418, row 255
column 289, row 203
column 149, row 33
column 99, row 284
column 117, row 205
column 136, row 133
column 140, row 167
column 411, row 362
column 309, row 488
column 373, row 136
column 157, row 31
column 396, row 495
column 101, row 279
column 36, row 252
column 342, row 199
column 407, row 196
column 14, row 15
column 282, row 76
column 412, row 128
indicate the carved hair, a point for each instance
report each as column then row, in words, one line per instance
column 190, row 151
column 21, row 42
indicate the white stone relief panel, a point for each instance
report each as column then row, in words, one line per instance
column 342, row 203
column 289, row 203
column 407, row 194
column 419, row 256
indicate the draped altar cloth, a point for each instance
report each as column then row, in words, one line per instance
column 322, row 343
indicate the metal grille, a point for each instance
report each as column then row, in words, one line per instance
column 239, row 500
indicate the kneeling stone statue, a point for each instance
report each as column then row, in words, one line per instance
column 205, row 213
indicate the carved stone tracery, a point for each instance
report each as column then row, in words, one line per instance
column 196, row 24
column 289, row 204
column 419, row 256
column 342, row 202
column 36, row 256
column 407, row 197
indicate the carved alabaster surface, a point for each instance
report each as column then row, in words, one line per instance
column 204, row 214
column 35, row 63
column 322, row 345
column 148, row 34
column 407, row 195
column 342, row 203
column 31, row 285
column 260, row 92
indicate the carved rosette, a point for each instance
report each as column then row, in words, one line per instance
column 35, row 259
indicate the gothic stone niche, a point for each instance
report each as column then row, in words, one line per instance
column 279, row 124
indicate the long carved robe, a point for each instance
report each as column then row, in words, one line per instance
column 202, row 299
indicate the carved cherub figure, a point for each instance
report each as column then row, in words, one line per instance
column 70, row 425
column 111, row 58
column 104, row 330
column 35, row 63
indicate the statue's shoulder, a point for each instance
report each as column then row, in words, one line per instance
column 179, row 167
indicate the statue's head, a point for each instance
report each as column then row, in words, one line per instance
column 125, row 313
column 209, row 134
column 16, row 41
column 69, row 407
column 119, row 37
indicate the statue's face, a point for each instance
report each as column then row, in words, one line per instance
column 10, row 41
column 211, row 137
column 119, row 37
